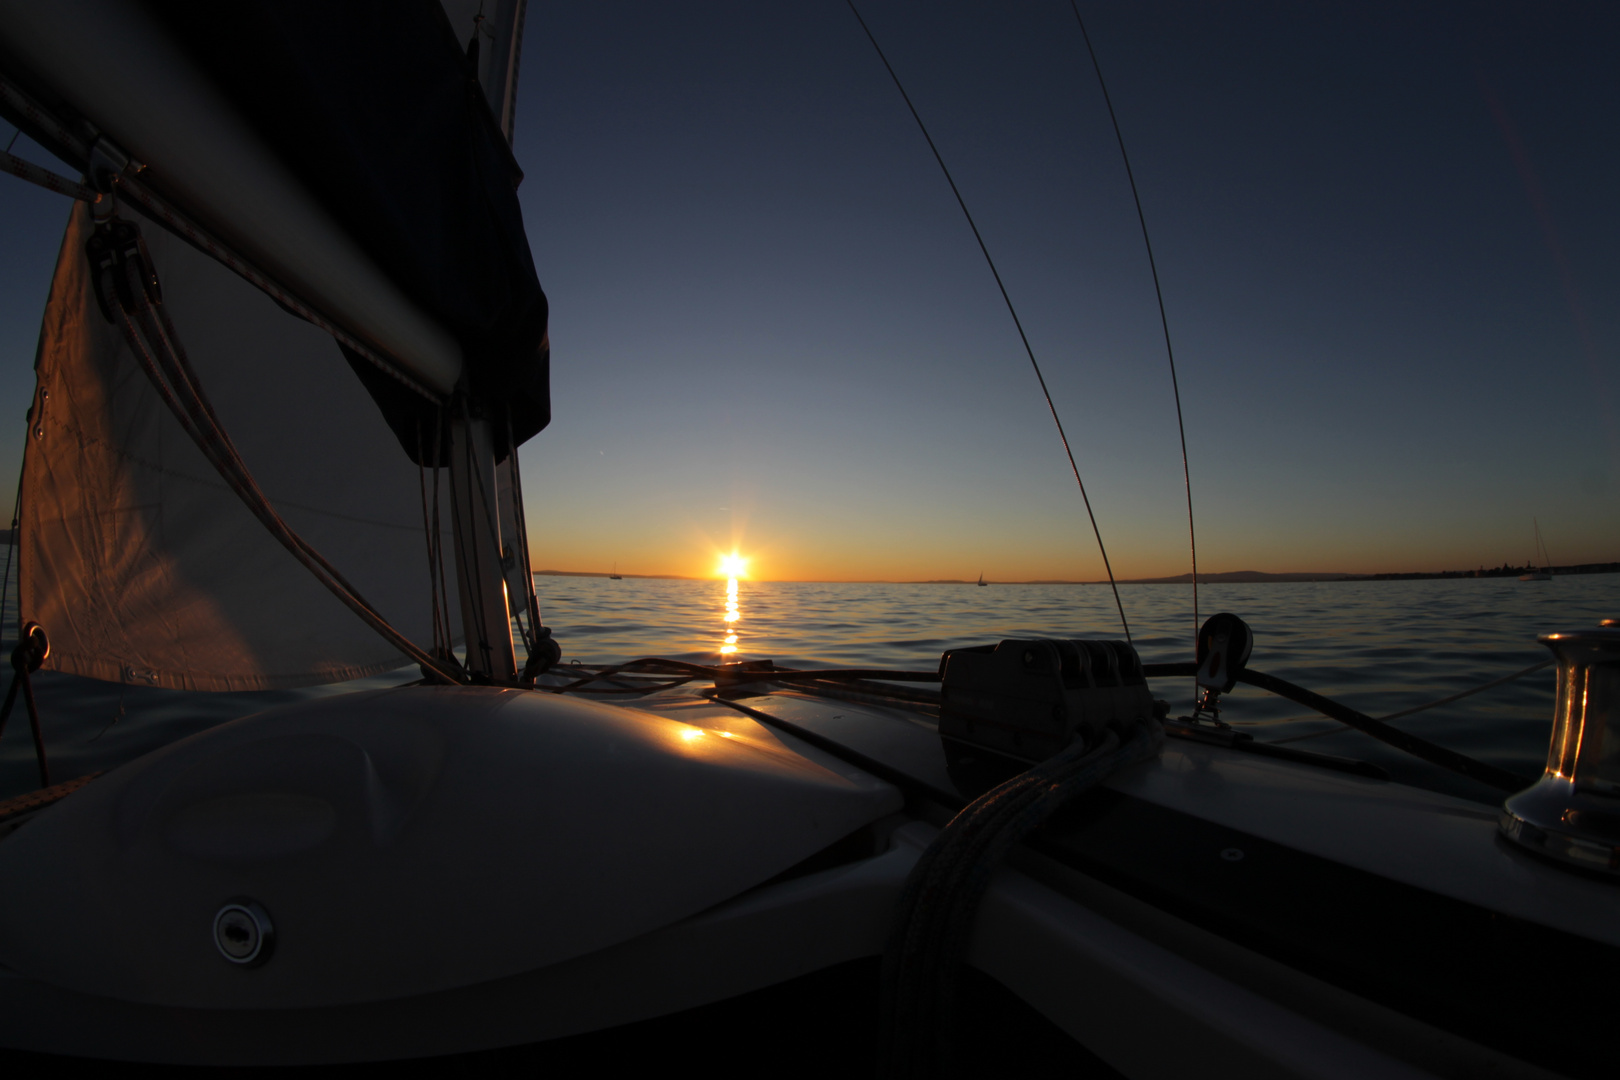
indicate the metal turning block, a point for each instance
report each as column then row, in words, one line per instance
column 1224, row 644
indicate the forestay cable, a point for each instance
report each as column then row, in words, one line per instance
column 1010, row 309
column 1164, row 320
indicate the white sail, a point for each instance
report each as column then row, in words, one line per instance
column 138, row 560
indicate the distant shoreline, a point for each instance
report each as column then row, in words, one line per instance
column 1235, row 577
column 1254, row 577
column 602, row 574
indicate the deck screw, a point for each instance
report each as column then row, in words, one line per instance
column 243, row 933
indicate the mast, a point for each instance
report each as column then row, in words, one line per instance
column 486, row 562
column 486, row 614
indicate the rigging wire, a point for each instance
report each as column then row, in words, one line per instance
column 428, row 522
column 463, row 461
column 985, row 250
column 637, row 677
column 1532, row 669
column 439, row 423
column 1164, row 320
column 536, row 632
column 16, row 523
column 519, row 545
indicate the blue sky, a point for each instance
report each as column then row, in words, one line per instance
column 1387, row 235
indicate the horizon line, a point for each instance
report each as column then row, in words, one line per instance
column 1229, row 577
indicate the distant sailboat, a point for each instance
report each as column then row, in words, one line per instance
column 1538, row 556
column 981, row 578
column 615, row 575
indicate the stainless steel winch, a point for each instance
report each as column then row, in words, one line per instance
column 1573, row 812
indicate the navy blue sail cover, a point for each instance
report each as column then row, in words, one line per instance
column 375, row 107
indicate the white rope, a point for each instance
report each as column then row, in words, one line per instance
column 46, row 179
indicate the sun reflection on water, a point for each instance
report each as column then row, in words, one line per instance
column 733, row 613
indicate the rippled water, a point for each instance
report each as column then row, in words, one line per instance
column 1378, row 646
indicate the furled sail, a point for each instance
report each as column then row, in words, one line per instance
column 493, row 33
column 139, row 560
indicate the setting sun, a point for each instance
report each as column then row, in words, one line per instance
column 733, row 565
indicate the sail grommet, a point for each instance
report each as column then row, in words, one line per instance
column 243, row 933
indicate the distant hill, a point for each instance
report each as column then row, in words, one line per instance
column 1254, row 577
column 1232, row 577
column 1236, row 577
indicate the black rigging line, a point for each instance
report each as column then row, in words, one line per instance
column 1164, row 320
column 427, row 533
column 442, row 602
column 1010, row 309
column 16, row 538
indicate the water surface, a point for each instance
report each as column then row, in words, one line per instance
column 1378, row 646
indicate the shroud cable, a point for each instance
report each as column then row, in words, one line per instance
column 1164, row 320
column 1010, row 309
